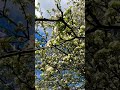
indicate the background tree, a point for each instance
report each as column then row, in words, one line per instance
column 16, row 46
column 102, row 44
column 62, row 58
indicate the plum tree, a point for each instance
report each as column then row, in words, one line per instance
column 62, row 58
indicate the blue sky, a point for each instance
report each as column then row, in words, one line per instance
column 15, row 14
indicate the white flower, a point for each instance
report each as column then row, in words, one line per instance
column 82, row 27
column 55, row 30
column 48, row 43
column 49, row 68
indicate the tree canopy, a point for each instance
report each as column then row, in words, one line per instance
column 62, row 57
column 102, row 44
column 72, row 47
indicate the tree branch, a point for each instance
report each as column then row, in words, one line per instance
column 44, row 19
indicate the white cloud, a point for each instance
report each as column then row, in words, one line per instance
column 48, row 5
